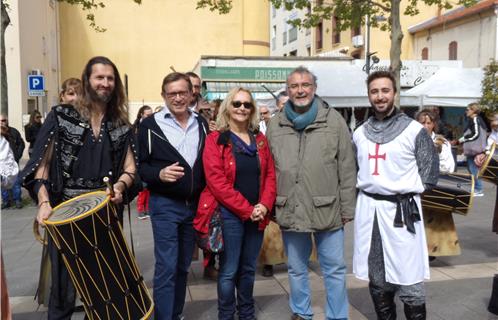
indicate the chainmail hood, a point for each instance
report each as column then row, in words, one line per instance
column 385, row 130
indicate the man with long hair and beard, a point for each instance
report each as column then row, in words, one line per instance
column 77, row 146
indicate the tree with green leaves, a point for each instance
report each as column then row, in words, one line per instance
column 489, row 99
column 88, row 6
column 350, row 14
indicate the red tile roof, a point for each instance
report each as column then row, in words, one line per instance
column 455, row 14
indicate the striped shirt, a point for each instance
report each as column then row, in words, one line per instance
column 186, row 141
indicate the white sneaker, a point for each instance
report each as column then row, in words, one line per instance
column 478, row 194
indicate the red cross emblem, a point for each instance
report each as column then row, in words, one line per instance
column 376, row 156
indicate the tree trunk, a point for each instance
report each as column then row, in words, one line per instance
column 396, row 38
column 4, row 103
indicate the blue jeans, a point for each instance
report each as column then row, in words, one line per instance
column 16, row 192
column 330, row 248
column 474, row 170
column 173, row 247
column 242, row 241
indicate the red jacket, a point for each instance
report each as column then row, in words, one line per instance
column 219, row 168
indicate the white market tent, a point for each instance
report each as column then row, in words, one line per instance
column 448, row 87
column 339, row 86
column 342, row 86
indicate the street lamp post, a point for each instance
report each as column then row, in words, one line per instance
column 367, row 51
column 370, row 55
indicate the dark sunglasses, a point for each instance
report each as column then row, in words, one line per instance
column 247, row 105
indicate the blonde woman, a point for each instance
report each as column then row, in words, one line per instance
column 240, row 177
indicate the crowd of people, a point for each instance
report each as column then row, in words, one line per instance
column 284, row 185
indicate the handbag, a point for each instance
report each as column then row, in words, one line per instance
column 471, row 148
column 212, row 241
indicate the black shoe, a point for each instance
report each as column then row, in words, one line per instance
column 267, row 270
column 417, row 312
column 297, row 317
column 383, row 303
column 493, row 301
column 5, row 205
column 18, row 204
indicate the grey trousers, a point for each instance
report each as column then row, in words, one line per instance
column 411, row 295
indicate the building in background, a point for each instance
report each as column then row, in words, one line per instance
column 31, row 48
column 145, row 41
column 326, row 40
column 150, row 40
column 466, row 34
column 287, row 40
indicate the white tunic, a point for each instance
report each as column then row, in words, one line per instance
column 389, row 169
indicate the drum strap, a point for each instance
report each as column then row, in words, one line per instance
column 405, row 206
column 129, row 223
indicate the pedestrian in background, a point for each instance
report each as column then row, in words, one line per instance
column 144, row 195
column 440, row 229
column 474, row 142
column 316, row 177
column 264, row 117
column 240, row 178
column 12, row 196
column 32, row 128
column 8, row 175
column 71, row 91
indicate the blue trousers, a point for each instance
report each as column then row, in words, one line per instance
column 173, row 247
column 242, row 242
column 16, row 193
column 474, row 170
column 330, row 248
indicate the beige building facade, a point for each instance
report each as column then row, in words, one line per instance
column 145, row 41
column 466, row 34
column 31, row 47
column 150, row 40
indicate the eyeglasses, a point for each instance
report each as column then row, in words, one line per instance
column 181, row 94
column 3, row 120
column 305, row 85
column 38, row 117
column 247, row 105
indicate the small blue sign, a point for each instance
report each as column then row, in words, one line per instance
column 36, row 86
column 36, row 83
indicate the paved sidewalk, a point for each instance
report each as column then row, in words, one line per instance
column 459, row 288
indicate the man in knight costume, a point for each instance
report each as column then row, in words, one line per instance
column 76, row 147
column 397, row 161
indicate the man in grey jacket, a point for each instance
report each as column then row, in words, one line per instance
column 316, row 177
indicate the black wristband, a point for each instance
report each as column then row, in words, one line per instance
column 38, row 183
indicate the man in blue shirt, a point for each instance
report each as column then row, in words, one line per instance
column 171, row 144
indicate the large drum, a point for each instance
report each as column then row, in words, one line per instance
column 453, row 194
column 489, row 170
column 87, row 233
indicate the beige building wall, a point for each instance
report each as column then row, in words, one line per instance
column 379, row 40
column 146, row 41
column 475, row 36
column 31, row 43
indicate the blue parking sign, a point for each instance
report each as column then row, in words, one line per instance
column 36, row 85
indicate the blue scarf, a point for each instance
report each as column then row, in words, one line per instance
column 301, row 120
column 242, row 147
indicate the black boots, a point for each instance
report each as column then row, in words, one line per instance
column 493, row 301
column 415, row 312
column 383, row 303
